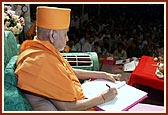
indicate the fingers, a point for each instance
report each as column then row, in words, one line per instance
column 113, row 77
column 114, row 90
column 110, row 94
column 117, row 77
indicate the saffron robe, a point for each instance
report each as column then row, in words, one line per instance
column 41, row 69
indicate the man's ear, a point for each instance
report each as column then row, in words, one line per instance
column 53, row 35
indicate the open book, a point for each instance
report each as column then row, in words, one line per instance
column 127, row 97
column 130, row 66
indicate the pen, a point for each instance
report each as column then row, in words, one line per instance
column 108, row 86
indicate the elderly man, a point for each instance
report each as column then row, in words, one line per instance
column 44, row 73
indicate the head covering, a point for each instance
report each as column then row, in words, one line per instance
column 53, row 18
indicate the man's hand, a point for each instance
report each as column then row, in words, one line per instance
column 113, row 77
column 109, row 94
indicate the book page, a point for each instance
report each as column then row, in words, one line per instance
column 130, row 66
column 119, row 62
column 126, row 98
column 100, row 85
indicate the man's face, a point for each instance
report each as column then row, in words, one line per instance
column 60, row 39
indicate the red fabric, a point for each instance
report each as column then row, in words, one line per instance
column 144, row 74
column 108, row 60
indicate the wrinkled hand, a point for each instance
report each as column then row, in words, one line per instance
column 109, row 94
column 113, row 77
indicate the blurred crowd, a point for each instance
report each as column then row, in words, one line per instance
column 124, row 32
column 121, row 30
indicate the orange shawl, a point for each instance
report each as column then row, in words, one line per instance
column 41, row 69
